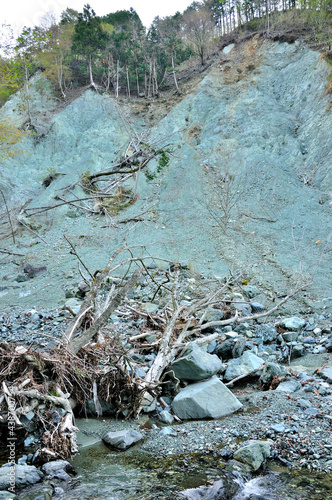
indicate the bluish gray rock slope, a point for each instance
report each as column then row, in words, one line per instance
column 259, row 115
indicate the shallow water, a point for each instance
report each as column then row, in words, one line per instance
column 106, row 474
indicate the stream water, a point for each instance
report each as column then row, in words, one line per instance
column 104, row 474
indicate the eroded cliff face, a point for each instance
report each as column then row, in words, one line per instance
column 259, row 117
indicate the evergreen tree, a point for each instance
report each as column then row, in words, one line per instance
column 89, row 39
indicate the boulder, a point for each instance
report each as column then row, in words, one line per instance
column 254, row 453
column 25, row 475
column 294, row 323
column 121, row 440
column 247, row 363
column 58, row 469
column 207, row 399
column 196, row 364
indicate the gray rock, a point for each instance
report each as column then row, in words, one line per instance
column 225, row 349
column 297, row 351
column 290, row 336
column 25, row 475
column 208, row 399
column 251, row 291
column 32, row 271
column 197, row 364
column 166, row 417
column 239, row 347
column 167, row 431
column 74, row 304
column 279, row 428
column 326, row 374
column 304, row 403
column 7, row 495
column 294, row 323
column 319, row 349
column 121, row 440
column 266, row 332
column 271, row 370
column 212, row 346
column 254, row 454
column 215, row 492
column 257, row 307
column 58, row 469
column 213, row 315
column 245, row 364
column 243, row 307
column 289, row 386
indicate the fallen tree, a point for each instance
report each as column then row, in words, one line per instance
column 94, row 364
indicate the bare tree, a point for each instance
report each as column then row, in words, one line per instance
column 230, row 189
column 199, row 29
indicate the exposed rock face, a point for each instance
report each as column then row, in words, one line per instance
column 208, row 399
column 267, row 125
column 197, row 364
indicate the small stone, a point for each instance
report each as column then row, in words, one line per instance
column 290, row 336
column 266, row 332
column 166, row 417
column 289, row 386
column 257, row 307
column 167, row 431
column 319, row 349
column 33, row 271
column 213, row 315
column 251, row 291
column 279, row 428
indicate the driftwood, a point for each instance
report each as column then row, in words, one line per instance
column 76, row 344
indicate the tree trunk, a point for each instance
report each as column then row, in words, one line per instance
column 137, row 82
column 174, row 74
column 128, row 85
column 117, row 79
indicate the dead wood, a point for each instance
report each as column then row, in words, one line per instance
column 76, row 344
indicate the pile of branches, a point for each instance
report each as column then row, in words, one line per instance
column 51, row 384
column 91, row 363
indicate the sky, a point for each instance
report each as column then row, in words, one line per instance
column 21, row 13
